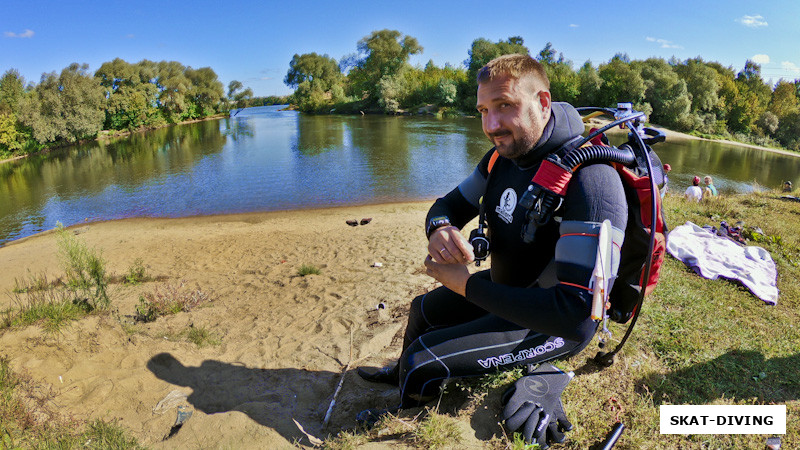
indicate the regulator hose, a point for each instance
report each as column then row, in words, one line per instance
column 598, row 153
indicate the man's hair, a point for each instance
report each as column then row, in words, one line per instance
column 516, row 66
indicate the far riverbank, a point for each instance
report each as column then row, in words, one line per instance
column 108, row 135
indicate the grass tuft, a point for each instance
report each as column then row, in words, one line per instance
column 85, row 270
column 437, row 431
column 137, row 273
column 308, row 269
column 51, row 308
column 201, row 337
column 167, row 300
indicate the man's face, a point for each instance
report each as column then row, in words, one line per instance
column 513, row 113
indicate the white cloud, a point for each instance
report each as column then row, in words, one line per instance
column 760, row 59
column 573, row 25
column 130, row 36
column 790, row 66
column 663, row 42
column 25, row 34
column 753, row 21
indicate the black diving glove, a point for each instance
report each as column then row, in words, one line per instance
column 533, row 406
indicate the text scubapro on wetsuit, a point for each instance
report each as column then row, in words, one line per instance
column 522, row 355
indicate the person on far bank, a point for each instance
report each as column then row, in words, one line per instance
column 710, row 190
column 667, row 169
column 533, row 304
column 694, row 192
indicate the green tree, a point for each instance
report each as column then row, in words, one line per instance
column 13, row 134
column 172, row 86
column 750, row 76
column 205, row 91
column 564, row 82
column 447, row 92
column 788, row 132
column 12, row 88
column 621, row 82
column 233, row 87
column 238, row 94
column 315, row 78
column 784, row 100
column 589, row 83
column 383, row 54
column 481, row 52
column 666, row 93
column 701, row 83
column 131, row 94
column 745, row 110
column 320, row 70
column 65, row 107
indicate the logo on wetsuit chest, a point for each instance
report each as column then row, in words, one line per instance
column 508, row 202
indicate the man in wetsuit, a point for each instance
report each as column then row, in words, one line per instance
column 533, row 305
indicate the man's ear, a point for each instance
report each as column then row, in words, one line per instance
column 544, row 99
column 545, row 102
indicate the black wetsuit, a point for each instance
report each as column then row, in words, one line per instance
column 508, row 317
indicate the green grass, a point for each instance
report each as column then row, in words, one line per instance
column 437, row 431
column 51, row 308
column 54, row 303
column 137, row 273
column 201, row 337
column 308, row 269
column 697, row 342
column 85, row 269
column 33, row 282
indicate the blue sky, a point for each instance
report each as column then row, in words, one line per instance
column 253, row 41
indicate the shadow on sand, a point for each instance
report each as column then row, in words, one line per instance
column 274, row 398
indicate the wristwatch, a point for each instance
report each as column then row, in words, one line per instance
column 436, row 222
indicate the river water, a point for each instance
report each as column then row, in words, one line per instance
column 264, row 159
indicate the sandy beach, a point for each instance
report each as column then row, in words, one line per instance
column 284, row 339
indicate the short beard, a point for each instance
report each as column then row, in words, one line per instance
column 519, row 148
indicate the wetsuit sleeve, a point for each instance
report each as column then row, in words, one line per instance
column 594, row 195
column 461, row 204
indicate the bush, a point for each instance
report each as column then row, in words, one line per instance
column 137, row 273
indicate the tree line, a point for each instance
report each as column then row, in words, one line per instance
column 76, row 104
column 696, row 96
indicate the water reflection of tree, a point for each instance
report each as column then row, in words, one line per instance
column 383, row 143
column 318, row 134
column 238, row 128
column 88, row 169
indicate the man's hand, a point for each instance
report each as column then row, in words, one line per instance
column 448, row 246
column 452, row 276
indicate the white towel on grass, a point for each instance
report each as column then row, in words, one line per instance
column 713, row 256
